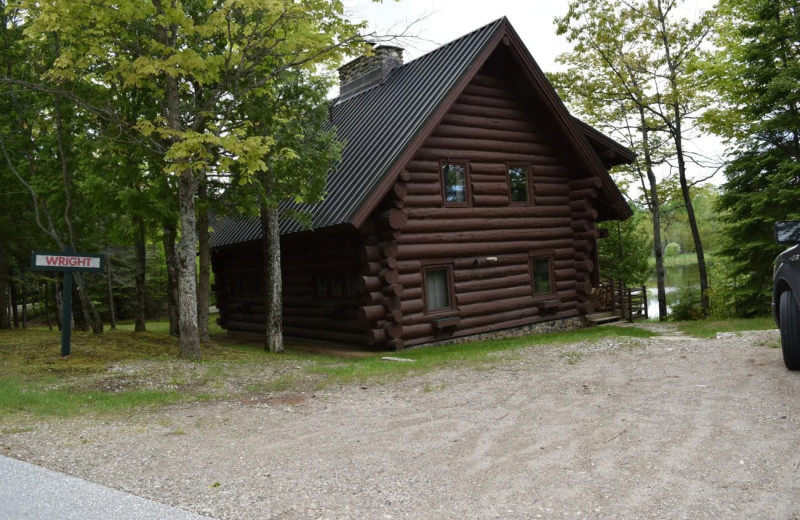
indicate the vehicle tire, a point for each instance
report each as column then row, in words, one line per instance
column 790, row 330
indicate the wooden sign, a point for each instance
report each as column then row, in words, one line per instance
column 67, row 262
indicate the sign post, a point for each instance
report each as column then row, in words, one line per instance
column 67, row 262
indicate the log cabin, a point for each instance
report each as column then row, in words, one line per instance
column 465, row 202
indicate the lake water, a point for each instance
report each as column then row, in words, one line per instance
column 674, row 278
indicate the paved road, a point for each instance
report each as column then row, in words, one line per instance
column 34, row 493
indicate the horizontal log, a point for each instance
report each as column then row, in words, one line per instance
column 418, row 188
column 370, row 313
column 587, row 182
column 579, row 206
column 485, row 155
column 389, row 249
column 490, row 88
column 586, row 215
column 444, row 130
column 369, row 254
column 554, row 173
column 409, row 266
column 582, row 225
column 482, row 142
column 370, row 268
column 414, row 306
column 493, row 123
column 585, row 193
column 490, row 188
column 483, row 236
column 369, row 284
column 493, row 295
column 423, row 201
column 410, row 280
column 482, row 249
column 372, row 298
column 565, row 274
column 490, row 200
column 550, row 201
column 551, row 190
column 404, row 175
column 478, row 224
column 513, row 211
column 414, row 167
column 489, row 273
column 493, row 283
column 425, row 177
column 487, row 101
column 489, row 170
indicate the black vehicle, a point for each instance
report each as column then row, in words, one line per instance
column 786, row 292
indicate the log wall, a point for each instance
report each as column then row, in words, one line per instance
column 489, row 245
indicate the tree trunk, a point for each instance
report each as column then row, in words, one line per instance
column 139, row 245
column 5, row 322
column 187, row 268
column 169, row 239
column 111, row 309
column 687, row 201
column 12, row 293
column 655, row 210
column 24, row 303
column 204, row 280
column 273, row 304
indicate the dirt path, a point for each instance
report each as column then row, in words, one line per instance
column 665, row 428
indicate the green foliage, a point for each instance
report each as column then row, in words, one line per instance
column 624, row 254
column 672, row 249
column 687, row 306
column 754, row 74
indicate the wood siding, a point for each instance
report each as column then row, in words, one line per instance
column 486, row 245
column 489, row 245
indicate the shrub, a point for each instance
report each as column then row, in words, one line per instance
column 672, row 249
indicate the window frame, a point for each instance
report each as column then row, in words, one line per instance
column 467, row 191
column 451, row 297
column 528, row 184
column 532, row 259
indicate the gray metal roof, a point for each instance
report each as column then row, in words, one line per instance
column 377, row 126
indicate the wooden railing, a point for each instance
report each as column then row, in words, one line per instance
column 629, row 303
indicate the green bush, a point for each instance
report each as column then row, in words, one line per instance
column 688, row 305
column 672, row 249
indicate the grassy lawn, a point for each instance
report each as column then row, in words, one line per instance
column 710, row 328
column 123, row 372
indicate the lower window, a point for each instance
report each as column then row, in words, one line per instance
column 542, row 271
column 437, row 289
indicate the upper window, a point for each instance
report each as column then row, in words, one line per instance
column 454, row 182
column 518, row 184
column 438, row 295
column 542, row 269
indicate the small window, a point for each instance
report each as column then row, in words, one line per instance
column 437, row 289
column 542, row 276
column 454, row 181
column 518, row 184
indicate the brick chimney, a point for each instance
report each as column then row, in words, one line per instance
column 367, row 71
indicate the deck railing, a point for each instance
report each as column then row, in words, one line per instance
column 629, row 303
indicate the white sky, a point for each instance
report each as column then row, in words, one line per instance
column 441, row 21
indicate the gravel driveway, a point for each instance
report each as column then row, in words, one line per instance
column 669, row 427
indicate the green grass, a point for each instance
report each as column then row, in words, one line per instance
column 120, row 371
column 710, row 328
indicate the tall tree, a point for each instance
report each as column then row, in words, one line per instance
column 632, row 62
column 608, row 80
column 755, row 76
column 200, row 61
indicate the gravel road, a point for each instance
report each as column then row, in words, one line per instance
column 666, row 428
